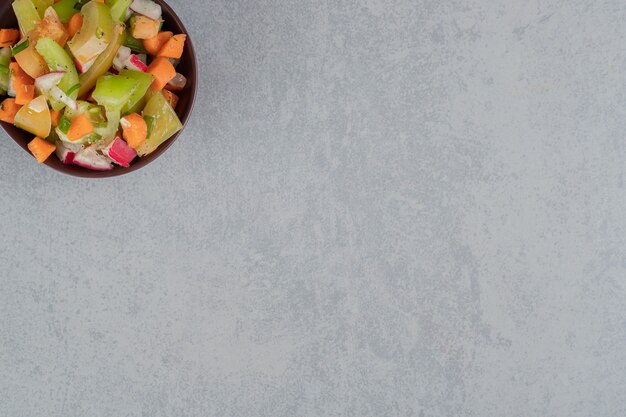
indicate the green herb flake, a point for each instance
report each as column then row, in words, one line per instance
column 73, row 88
column 64, row 124
column 20, row 47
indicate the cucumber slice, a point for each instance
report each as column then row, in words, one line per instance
column 27, row 15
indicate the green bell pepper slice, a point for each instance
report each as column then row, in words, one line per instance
column 165, row 123
column 136, row 101
column 113, row 91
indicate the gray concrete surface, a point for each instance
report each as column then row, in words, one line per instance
column 379, row 208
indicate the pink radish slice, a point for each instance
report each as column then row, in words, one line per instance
column 90, row 159
column 79, row 66
column 147, row 8
column 120, row 152
column 65, row 155
column 67, row 151
column 134, row 63
column 84, row 67
column 47, row 81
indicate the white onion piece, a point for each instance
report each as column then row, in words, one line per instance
column 119, row 62
column 45, row 82
column 147, row 8
column 58, row 94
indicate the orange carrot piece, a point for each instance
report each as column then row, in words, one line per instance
column 19, row 75
column 135, row 130
column 8, row 110
column 80, row 127
column 174, row 47
column 74, row 24
column 171, row 98
column 23, row 84
column 8, row 37
column 41, row 149
column 24, row 94
column 144, row 27
column 163, row 72
column 154, row 45
column 30, row 61
column 55, row 116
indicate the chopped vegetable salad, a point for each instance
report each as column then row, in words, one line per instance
column 94, row 81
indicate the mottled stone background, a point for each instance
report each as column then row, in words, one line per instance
column 379, row 208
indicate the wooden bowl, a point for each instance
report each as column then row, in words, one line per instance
column 187, row 67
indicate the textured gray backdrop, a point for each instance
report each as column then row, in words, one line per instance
column 379, row 208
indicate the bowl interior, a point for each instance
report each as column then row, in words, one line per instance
column 187, row 67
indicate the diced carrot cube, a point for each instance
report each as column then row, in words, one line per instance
column 74, row 24
column 31, row 62
column 80, row 127
column 163, row 72
column 8, row 110
column 145, row 28
column 135, row 130
column 24, row 94
column 19, row 75
column 23, row 84
column 8, row 37
column 154, row 44
column 41, row 149
column 171, row 98
column 174, row 47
